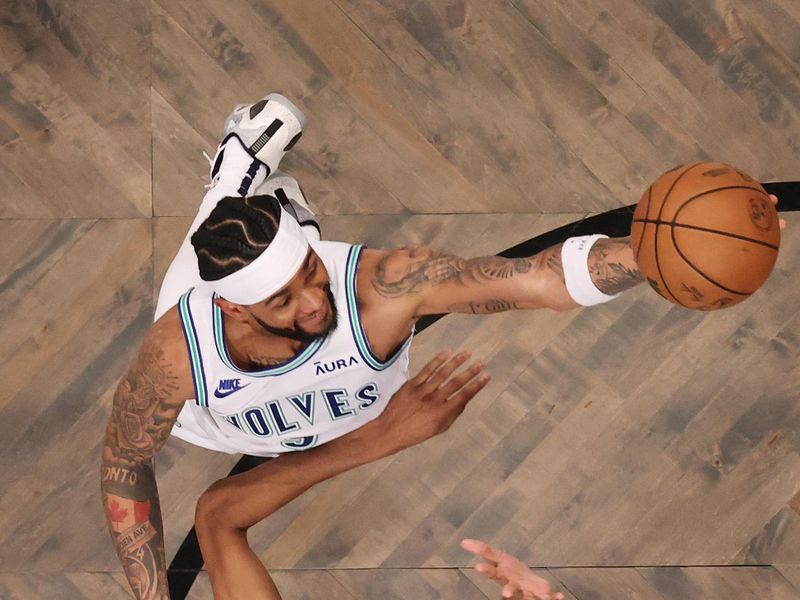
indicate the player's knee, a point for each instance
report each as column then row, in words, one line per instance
column 212, row 509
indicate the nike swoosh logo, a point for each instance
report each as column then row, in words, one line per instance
column 221, row 394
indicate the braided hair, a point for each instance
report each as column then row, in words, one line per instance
column 236, row 232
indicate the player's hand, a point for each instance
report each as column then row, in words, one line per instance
column 428, row 404
column 518, row 582
column 774, row 199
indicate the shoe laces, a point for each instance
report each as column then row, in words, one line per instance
column 212, row 163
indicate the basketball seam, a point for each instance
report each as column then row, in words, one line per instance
column 644, row 229
column 720, row 189
column 707, row 230
column 655, row 237
column 673, row 225
column 699, row 272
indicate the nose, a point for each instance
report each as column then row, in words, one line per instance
column 311, row 300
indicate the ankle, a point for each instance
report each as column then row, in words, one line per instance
column 238, row 169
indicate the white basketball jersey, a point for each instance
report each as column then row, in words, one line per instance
column 332, row 387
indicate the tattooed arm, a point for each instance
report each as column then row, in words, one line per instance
column 430, row 282
column 146, row 404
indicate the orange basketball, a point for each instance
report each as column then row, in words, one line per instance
column 705, row 235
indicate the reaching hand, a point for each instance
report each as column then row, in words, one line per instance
column 518, row 582
column 428, row 404
column 774, row 199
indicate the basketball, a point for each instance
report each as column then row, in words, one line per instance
column 705, row 235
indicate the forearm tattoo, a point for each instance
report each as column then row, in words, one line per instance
column 142, row 416
column 415, row 269
column 143, row 411
column 608, row 273
column 550, row 259
column 483, row 308
column 428, row 266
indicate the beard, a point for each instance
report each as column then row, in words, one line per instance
column 299, row 334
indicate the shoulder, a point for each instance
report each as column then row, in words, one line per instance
column 167, row 332
column 163, row 356
column 407, row 255
column 410, row 270
column 404, row 277
column 379, row 270
column 386, row 278
column 398, row 263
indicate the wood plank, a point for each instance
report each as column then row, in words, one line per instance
column 490, row 589
column 593, row 584
column 434, row 584
column 719, row 583
column 790, row 573
column 492, row 86
column 97, row 171
column 666, row 69
column 83, row 97
column 776, row 543
column 180, row 171
column 77, row 586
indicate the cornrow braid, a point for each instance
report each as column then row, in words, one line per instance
column 236, row 232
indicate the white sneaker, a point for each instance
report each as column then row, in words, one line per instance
column 267, row 129
column 286, row 189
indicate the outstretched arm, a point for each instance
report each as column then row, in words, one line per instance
column 428, row 282
column 146, row 405
column 425, row 406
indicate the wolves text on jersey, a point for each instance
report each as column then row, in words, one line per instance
column 296, row 412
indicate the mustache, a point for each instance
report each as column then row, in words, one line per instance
column 297, row 333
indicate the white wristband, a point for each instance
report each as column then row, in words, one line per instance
column 575, row 262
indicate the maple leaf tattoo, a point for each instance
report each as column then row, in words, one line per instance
column 116, row 513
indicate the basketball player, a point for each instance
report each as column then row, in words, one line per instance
column 273, row 343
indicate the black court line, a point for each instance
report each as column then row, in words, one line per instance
column 188, row 561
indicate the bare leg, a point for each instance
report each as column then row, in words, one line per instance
column 183, row 272
column 239, row 173
column 234, row 569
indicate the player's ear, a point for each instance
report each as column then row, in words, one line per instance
column 234, row 311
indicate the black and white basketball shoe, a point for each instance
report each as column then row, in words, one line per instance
column 286, row 189
column 267, row 129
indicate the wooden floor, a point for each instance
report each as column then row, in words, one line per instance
column 634, row 450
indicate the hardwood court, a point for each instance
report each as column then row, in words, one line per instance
column 634, row 450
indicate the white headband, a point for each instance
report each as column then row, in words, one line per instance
column 272, row 270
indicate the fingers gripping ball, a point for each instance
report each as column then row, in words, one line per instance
column 705, row 235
